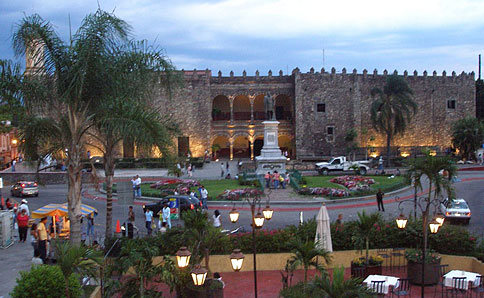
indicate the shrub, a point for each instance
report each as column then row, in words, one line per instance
column 45, row 281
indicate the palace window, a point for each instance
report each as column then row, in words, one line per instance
column 451, row 104
column 330, row 133
column 321, row 108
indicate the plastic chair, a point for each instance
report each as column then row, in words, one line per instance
column 443, row 269
column 479, row 288
column 378, row 287
column 403, row 288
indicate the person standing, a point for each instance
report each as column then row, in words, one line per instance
column 222, row 170
column 90, row 227
column 13, row 165
column 42, row 232
column 24, row 206
column 204, row 194
column 217, row 220
column 23, row 225
column 379, row 200
column 149, row 220
column 131, row 215
column 136, row 186
column 189, row 170
column 34, row 237
column 166, row 215
column 267, row 178
column 380, row 165
column 276, row 179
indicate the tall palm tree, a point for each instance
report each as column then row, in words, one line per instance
column 364, row 225
column 467, row 135
column 77, row 259
column 392, row 109
column 126, row 112
column 65, row 88
column 430, row 169
column 323, row 286
column 10, row 95
column 306, row 254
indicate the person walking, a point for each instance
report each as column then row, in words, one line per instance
column 217, row 220
column 13, row 165
column 166, row 215
column 23, row 225
column 267, row 178
column 379, row 200
column 136, row 186
column 149, row 220
column 204, row 194
column 42, row 232
column 190, row 172
column 90, row 227
column 222, row 170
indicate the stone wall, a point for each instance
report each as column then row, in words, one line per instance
column 43, row 178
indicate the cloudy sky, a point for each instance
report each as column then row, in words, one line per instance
column 283, row 34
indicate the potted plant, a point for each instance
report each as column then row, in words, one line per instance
column 414, row 269
column 373, row 266
column 361, row 237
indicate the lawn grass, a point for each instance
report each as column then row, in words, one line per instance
column 214, row 188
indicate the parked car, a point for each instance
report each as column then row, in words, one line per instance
column 185, row 203
column 341, row 164
column 25, row 188
column 456, row 209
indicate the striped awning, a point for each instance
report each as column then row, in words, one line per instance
column 60, row 210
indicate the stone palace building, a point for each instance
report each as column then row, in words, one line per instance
column 315, row 111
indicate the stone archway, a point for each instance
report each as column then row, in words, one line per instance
column 241, row 107
column 286, row 145
column 258, row 144
column 259, row 107
column 283, row 109
column 241, row 146
column 221, row 108
column 220, row 147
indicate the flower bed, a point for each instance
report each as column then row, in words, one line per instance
column 237, row 194
column 354, row 183
column 168, row 186
column 323, row 191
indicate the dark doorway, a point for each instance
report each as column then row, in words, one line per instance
column 258, row 144
column 280, row 113
column 183, row 146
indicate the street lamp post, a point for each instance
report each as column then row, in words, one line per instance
column 258, row 219
column 434, row 226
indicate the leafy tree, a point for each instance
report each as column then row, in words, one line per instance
column 364, row 225
column 392, row 109
column 306, row 254
column 430, row 169
column 350, row 140
column 11, row 108
column 44, row 281
column 468, row 135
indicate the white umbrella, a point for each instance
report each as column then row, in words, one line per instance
column 323, row 230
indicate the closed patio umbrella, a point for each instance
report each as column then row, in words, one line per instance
column 323, row 230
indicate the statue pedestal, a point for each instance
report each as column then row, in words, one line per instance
column 271, row 158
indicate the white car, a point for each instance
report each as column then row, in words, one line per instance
column 456, row 209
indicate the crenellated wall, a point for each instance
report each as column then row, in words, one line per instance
column 346, row 98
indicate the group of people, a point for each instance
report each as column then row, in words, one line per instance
column 164, row 219
column 276, row 180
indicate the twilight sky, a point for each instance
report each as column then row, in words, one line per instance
column 283, row 34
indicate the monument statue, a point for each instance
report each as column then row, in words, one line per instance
column 269, row 104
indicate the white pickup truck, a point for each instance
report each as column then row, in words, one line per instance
column 341, row 164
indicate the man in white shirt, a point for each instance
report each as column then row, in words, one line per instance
column 136, row 186
column 149, row 220
column 24, row 206
column 204, row 194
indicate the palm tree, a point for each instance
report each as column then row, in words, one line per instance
column 77, row 259
column 64, row 89
column 322, row 286
column 392, row 109
column 10, row 94
column 306, row 253
column 364, row 225
column 467, row 135
column 431, row 168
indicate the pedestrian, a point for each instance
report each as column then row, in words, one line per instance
column 90, row 227
column 42, row 232
column 34, row 236
column 217, row 277
column 283, row 182
column 136, row 186
column 339, row 222
column 276, row 179
column 190, row 173
column 163, row 227
column 166, row 215
column 267, row 178
column 149, row 220
column 131, row 215
column 379, row 200
column 222, row 170
column 23, row 225
column 204, row 194
column 36, row 260
column 217, row 219
column 83, row 231
column 380, row 164
column 24, row 206
column 9, row 204
column 13, row 165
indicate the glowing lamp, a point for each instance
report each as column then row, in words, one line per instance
column 440, row 218
column 234, row 215
column 258, row 220
column 237, row 259
column 183, row 257
column 198, row 275
column 401, row 221
column 267, row 211
column 405, row 154
column 434, row 226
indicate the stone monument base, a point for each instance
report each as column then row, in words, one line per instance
column 271, row 158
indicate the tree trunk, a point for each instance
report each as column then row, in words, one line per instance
column 128, row 148
column 74, row 172
column 66, row 285
column 389, row 139
column 207, row 255
column 109, row 174
column 367, row 245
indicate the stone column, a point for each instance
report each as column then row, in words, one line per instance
column 231, row 141
column 251, row 99
column 231, row 100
